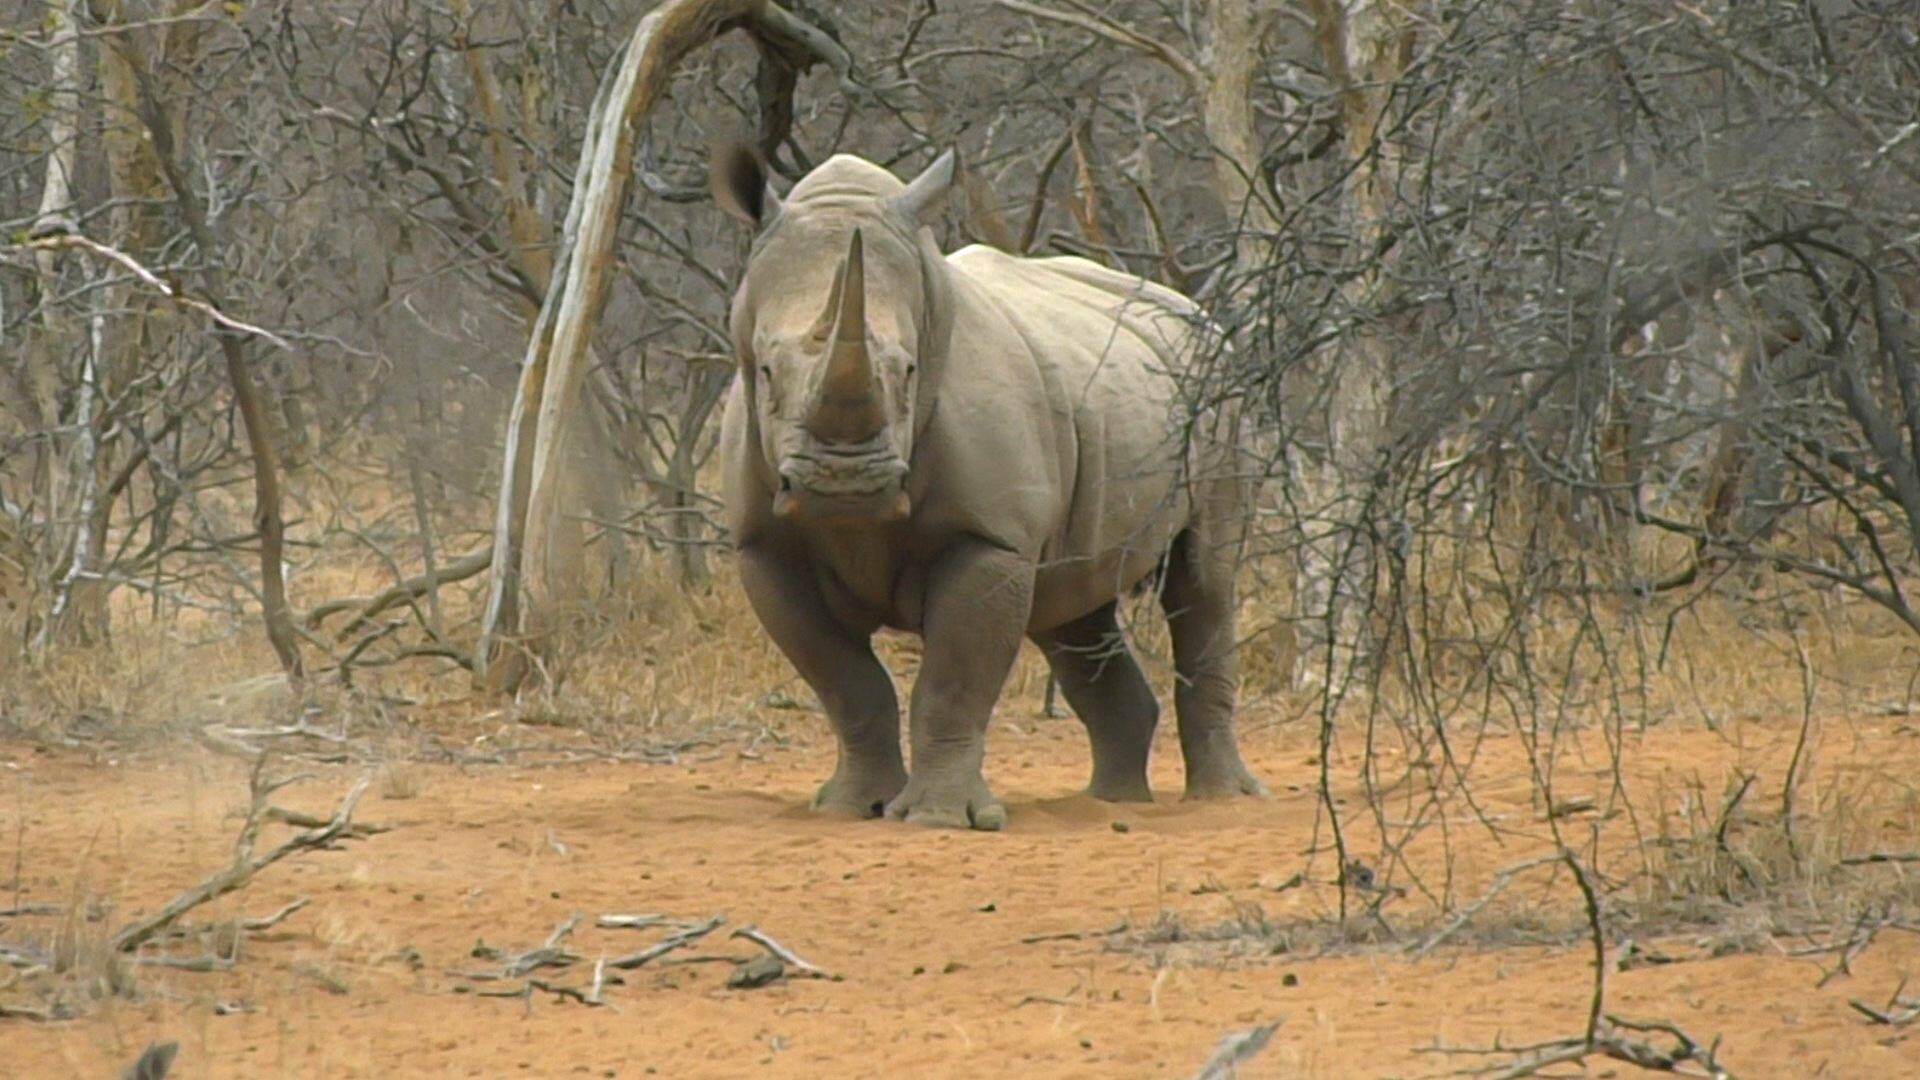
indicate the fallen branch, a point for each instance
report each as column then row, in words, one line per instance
column 245, row 863
column 1881, row 857
column 1608, row 1041
column 268, row 922
column 1898, row 1011
column 208, row 962
column 632, row 922
column 1865, row 929
column 24, row 956
column 775, row 962
column 1236, row 1048
column 1466, row 915
column 787, row 956
column 550, row 953
column 1120, row 927
column 354, row 830
column 661, row 948
column 300, row 728
column 573, row 992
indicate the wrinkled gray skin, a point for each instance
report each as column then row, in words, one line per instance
column 977, row 448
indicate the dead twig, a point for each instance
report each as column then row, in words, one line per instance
column 245, row 863
column 1881, row 857
column 323, row 977
column 1686, row 1056
column 661, row 948
column 206, row 963
column 298, row 820
column 635, row 922
column 1865, row 929
column 24, row 956
column 1120, row 927
column 570, row 992
column 1236, row 1048
column 787, row 956
column 1897, row 1012
column 1466, row 915
column 549, row 953
column 268, row 922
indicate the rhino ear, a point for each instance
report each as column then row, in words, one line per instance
column 928, row 191
column 741, row 186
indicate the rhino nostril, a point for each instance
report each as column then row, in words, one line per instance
column 786, row 483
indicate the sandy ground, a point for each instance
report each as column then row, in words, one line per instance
column 926, row 927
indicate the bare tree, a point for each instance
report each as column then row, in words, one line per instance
column 528, row 581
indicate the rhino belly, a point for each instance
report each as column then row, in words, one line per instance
column 1068, row 586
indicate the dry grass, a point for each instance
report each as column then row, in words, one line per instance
column 1715, row 879
column 66, row 966
column 1736, row 861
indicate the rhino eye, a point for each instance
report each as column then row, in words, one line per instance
column 910, row 371
column 766, row 372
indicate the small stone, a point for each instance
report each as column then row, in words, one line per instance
column 758, row 971
column 1289, row 979
column 1121, row 826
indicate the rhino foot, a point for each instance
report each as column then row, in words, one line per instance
column 949, row 805
column 1129, row 789
column 859, row 793
column 1224, row 783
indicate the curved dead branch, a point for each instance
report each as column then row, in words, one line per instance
column 526, row 587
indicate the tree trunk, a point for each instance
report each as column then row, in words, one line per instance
column 1365, row 49
column 528, row 579
column 76, row 609
column 267, row 515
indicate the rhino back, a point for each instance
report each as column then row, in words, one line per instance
column 1102, row 348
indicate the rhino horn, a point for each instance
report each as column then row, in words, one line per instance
column 846, row 408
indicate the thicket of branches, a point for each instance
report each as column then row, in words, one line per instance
column 1555, row 319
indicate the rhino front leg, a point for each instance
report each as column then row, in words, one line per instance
column 977, row 601
column 838, row 663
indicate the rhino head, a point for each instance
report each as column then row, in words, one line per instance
column 833, row 324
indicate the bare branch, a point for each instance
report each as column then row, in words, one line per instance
column 152, row 281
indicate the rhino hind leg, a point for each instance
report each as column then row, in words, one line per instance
column 1103, row 683
column 1198, row 597
column 850, row 681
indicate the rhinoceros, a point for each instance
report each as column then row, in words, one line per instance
column 977, row 448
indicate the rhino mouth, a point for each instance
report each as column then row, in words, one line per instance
column 834, row 484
